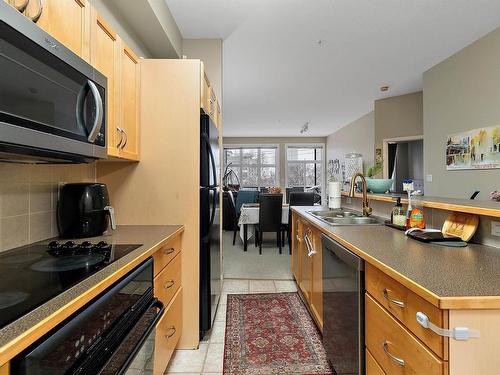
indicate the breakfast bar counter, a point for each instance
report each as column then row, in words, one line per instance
column 447, row 277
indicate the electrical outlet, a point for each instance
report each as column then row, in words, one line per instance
column 495, row 228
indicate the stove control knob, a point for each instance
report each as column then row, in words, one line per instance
column 103, row 244
column 69, row 244
column 85, row 245
column 53, row 245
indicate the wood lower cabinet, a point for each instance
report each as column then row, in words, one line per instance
column 168, row 289
column 168, row 333
column 371, row 366
column 68, row 21
column 306, row 265
column 403, row 305
column 395, row 349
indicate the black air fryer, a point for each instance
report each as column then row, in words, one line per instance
column 83, row 210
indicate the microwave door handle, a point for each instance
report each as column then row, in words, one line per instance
column 99, row 109
column 96, row 127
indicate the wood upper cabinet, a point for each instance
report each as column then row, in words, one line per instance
column 129, row 103
column 68, row 21
column 105, row 56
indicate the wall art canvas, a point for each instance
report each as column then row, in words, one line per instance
column 474, row 149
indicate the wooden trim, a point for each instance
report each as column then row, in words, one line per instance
column 485, row 211
column 7, row 352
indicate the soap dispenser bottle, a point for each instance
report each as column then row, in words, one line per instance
column 398, row 216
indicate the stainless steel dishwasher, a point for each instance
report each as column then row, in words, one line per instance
column 343, row 308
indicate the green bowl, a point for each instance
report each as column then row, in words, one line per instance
column 378, row 185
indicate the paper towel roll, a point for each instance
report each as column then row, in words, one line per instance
column 334, row 189
column 334, row 202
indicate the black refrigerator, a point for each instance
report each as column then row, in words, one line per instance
column 210, row 255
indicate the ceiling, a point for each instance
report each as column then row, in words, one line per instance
column 288, row 62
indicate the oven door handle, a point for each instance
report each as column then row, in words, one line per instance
column 147, row 332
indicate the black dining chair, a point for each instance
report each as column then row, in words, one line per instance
column 270, row 211
column 295, row 189
column 296, row 199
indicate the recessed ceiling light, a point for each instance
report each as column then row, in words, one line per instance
column 384, row 88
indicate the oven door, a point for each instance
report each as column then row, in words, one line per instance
column 50, row 99
column 104, row 336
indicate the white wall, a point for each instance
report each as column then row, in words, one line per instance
column 461, row 93
column 358, row 136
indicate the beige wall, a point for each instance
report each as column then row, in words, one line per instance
column 358, row 136
column 398, row 116
column 210, row 52
column 28, row 200
column 461, row 93
column 282, row 142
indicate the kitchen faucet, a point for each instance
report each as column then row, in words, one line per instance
column 367, row 210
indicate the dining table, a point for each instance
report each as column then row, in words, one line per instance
column 249, row 217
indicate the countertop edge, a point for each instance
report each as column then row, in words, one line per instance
column 447, row 303
column 15, row 346
column 434, row 203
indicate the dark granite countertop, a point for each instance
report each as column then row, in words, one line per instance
column 22, row 332
column 448, row 277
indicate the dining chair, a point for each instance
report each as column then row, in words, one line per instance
column 244, row 196
column 296, row 199
column 295, row 189
column 270, row 213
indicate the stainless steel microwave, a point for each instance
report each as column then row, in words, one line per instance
column 52, row 102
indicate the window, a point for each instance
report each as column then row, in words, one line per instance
column 304, row 166
column 255, row 166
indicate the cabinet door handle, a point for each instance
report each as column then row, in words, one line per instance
column 126, row 139
column 399, row 304
column 298, row 238
column 171, row 329
column 169, row 284
column 121, row 137
column 38, row 14
column 169, row 251
column 21, row 7
column 397, row 360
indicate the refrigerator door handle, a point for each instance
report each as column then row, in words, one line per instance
column 212, row 159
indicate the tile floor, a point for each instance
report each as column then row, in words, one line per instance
column 209, row 357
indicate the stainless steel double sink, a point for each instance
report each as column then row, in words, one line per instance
column 344, row 217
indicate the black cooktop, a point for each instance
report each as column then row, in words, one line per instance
column 33, row 274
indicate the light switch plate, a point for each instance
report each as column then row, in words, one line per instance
column 495, row 228
column 428, row 178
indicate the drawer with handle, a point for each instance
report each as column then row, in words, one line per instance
column 168, row 332
column 167, row 252
column 168, row 281
column 395, row 349
column 403, row 304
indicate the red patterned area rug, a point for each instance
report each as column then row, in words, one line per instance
column 270, row 334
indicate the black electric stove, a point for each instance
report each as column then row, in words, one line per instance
column 31, row 275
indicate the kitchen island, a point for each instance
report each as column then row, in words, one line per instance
column 452, row 286
column 162, row 242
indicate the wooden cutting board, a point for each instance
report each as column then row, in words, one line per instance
column 460, row 225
